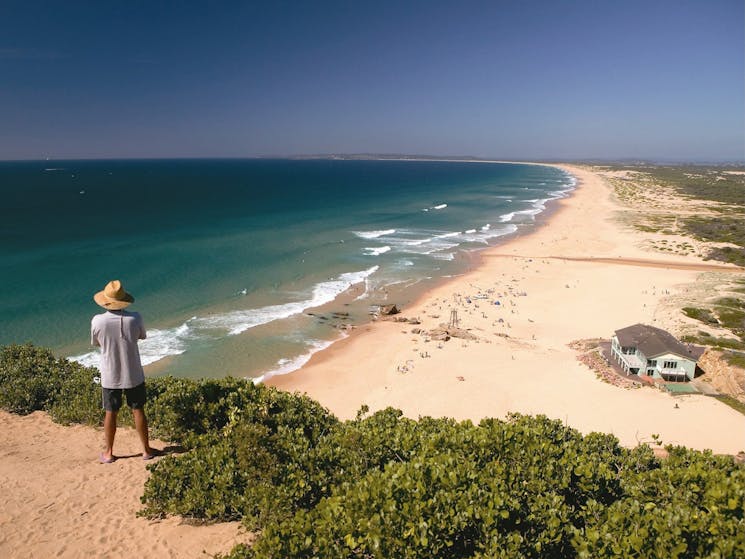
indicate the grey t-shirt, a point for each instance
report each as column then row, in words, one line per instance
column 117, row 332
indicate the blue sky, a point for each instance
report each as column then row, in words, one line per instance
column 653, row 79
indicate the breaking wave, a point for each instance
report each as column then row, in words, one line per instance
column 162, row 343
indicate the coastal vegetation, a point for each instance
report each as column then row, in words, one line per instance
column 727, row 314
column 705, row 203
column 383, row 485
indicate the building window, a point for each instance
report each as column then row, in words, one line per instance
column 651, row 362
column 670, row 365
column 628, row 350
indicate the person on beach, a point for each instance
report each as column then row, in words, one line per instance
column 117, row 332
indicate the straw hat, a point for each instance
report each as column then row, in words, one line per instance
column 113, row 297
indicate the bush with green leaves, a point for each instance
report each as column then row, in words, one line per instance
column 527, row 487
column 255, row 462
column 29, row 378
column 693, row 505
column 515, row 488
column 389, row 486
column 32, row 379
column 79, row 396
column 180, row 410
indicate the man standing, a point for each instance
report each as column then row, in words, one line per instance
column 117, row 332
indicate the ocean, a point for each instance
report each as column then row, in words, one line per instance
column 244, row 267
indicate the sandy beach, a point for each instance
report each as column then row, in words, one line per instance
column 581, row 274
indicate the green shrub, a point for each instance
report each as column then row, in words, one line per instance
column 180, row 409
column 702, row 315
column 735, row 358
column 79, row 396
column 257, row 442
column 30, row 378
column 708, row 340
column 731, row 255
column 428, row 507
column 516, row 488
column 732, row 402
column 692, row 506
column 732, row 319
column 204, row 484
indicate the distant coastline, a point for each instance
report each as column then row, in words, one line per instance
column 548, row 160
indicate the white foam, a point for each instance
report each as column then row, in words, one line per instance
column 239, row 321
column 419, row 242
column 437, row 207
column 504, row 218
column 486, row 227
column 91, row 359
column 374, row 234
column 285, row 365
column 376, row 251
column 432, row 246
column 163, row 343
column 485, row 235
column 159, row 344
column 413, row 242
column 174, row 341
column 530, row 212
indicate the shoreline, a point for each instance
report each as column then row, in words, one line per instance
column 568, row 268
column 474, row 258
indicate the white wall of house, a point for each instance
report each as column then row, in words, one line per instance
column 667, row 366
column 630, row 359
column 671, row 364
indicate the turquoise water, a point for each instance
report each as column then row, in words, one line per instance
column 226, row 258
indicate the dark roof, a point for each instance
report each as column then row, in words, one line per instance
column 653, row 342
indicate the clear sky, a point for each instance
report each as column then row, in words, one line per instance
column 652, row 79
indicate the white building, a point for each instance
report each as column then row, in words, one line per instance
column 648, row 351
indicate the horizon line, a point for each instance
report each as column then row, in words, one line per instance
column 401, row 156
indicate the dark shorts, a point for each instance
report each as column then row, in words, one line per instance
column 112, row 397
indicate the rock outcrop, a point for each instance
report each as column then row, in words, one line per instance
column 444, row 333
column 389, row 310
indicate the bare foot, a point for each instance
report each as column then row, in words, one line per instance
column 106, row 458
column 151, row 453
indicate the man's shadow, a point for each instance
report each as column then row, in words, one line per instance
column 165, row 451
